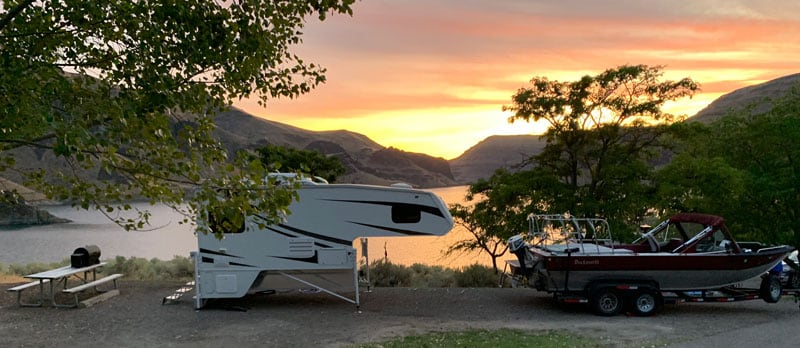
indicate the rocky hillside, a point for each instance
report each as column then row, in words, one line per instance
column 499, row 151
column 409, row 167
column 238, row 130
column 366, row 161
column 14, row 211
column 371, row 163
column 759, row 96
column 494, row 152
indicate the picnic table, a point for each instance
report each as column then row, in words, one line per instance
column 61, row 276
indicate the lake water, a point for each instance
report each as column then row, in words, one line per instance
column 167, row 238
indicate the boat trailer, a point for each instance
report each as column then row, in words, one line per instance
column 644, row 298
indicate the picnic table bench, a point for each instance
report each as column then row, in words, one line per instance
column 61, row 275
column 18, row 289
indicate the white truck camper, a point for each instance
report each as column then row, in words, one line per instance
column 313, row 247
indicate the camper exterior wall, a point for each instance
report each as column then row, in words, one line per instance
column 315, row 240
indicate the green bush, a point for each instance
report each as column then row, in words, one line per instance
column 384, row 273
column 179, row 268
column 29, row 268
column 133, row 268
column 425, row 276
column 477, row 276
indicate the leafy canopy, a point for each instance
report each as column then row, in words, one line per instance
column 603, row 133
column 745, row 167
column 280, row 158
column 127, row 90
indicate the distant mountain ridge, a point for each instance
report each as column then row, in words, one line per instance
column 759, row 95
column 495, row 152
column 368, row 162
column 238, row 129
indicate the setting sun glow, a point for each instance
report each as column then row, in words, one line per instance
column 432, row 77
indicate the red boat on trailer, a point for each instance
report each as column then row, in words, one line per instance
column 688, row 257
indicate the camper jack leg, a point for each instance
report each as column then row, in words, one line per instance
column 353, row 301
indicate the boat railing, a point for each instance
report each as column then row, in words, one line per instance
column 767, row 249
column 564, row 232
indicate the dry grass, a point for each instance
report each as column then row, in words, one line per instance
column 11, row 279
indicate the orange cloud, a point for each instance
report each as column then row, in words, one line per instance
column 432, row 76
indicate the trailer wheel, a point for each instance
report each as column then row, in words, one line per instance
column 645, row 303
column 770, row 289
column 606, row 302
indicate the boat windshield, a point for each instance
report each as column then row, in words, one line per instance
column 691, row 229
column 713, row 242
column 705, row 239
column 689, row 233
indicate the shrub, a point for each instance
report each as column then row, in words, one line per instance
column 477, row 276
column 425, row 276
column 384, row 273
column 179, row 268
column 133, row 268
column 23, row 269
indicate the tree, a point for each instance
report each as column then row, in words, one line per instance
column 603, row 132
column 745, row 167
column 699, row 184
column 309, row 162
column 128, row 89
column 472, row 219
column 492, row 219
column 501, row 207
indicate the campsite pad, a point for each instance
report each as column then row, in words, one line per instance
column 136, row 318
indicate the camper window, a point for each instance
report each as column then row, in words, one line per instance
column 406, row 214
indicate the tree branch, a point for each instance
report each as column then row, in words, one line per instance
column 13, row 13
column 28, row 143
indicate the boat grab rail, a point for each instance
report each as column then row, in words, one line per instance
column 759, row 251
column 589, row 234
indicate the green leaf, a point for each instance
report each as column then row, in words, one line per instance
column 138, row 100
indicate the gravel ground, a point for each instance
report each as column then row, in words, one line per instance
column 136, row 318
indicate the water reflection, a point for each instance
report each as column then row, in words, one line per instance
column 168, row 238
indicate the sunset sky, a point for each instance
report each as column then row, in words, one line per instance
column 432, row 76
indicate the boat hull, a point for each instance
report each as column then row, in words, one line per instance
column 668, row 271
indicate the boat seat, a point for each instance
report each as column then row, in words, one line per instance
column 653, row 243
column 670, row 245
